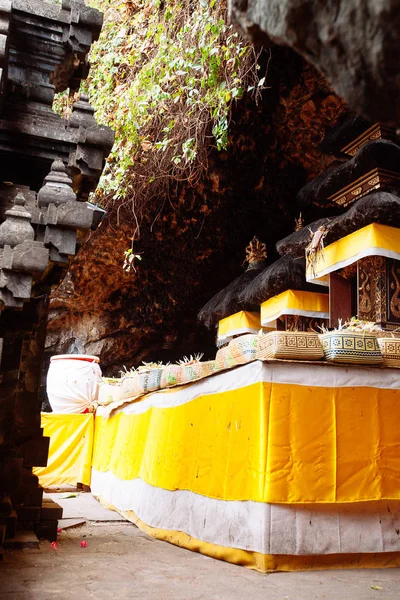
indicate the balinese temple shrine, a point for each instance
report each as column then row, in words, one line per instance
column 271, row 297
column 281, row 453
column 287, row 301
column 226, row 311
column 356, row 253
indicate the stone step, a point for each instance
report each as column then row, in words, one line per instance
column 10, row 470
column 28, row 513
column 35, row 450
column 23, row 539
column 50, row 510
column 2, row 533
column 29, row 496
column 5, row 506
column 47, row 530
column 10, row 524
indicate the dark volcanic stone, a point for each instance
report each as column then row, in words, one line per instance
column 354, row 44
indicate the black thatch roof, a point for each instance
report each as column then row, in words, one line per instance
column 345, row 131
column 380, row 153
column 287, row 273
column 296, row 243
column 377, row 207
column 227, row 302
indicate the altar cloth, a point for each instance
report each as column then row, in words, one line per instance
column 270, row 459
column 70, row 451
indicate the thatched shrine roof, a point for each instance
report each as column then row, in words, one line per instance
column 296, row 243
column 381, row 153
column 227, row 302
column 348, row 128
column 287, row 273
column 377, row 207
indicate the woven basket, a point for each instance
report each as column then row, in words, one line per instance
column 181, row 374
column 356, row 347
column 295, row 345
column 140, row 382
column 242, row 350
column 390, row 348
column 171, row 375
column 221, row 359
column 198, row 370
column 131, row 386
column 150, row 380
column 108, row 393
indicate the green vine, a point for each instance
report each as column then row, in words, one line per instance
column 164, row 76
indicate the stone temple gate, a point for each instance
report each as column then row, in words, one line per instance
column 48, row 167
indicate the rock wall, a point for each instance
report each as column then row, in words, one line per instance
column 192, row 243
column 353, row 43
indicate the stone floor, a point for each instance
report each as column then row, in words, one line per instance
column 120, row 562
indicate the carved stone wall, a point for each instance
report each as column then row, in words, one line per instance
column 48, row 166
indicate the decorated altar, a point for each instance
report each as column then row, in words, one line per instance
column 278, row 464
column 272, row 467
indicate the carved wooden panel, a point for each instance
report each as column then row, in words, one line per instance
column 393, row 290
column 297, row 323
column 375, row 132
column 373, row 180
column 372, row 289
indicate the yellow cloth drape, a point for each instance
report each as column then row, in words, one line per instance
column 295, row 302
column 70, row 452
column 266, row 442
column 240, row 322
column 372, row 240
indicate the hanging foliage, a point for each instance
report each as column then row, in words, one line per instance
column 164, row 76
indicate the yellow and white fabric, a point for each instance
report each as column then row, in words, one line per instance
column 294, row 302
column 263, row 466
column 70, row 452
column 372, row 240
column 238, row 324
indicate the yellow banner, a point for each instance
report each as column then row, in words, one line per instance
column 70, row 452
column 372, row 240
column 295, row 302
column 241, row 322
column 265, row 442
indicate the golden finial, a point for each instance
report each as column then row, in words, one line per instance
column 255, row 251
column 299, row 223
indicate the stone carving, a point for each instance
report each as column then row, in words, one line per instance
column 48, row 47
column 48, row 167
column 43, row 50
column 17, row 226
column 5, row 13
column 57, row 187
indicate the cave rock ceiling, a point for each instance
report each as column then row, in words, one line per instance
column 353, row 43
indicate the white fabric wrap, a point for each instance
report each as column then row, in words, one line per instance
column 72, row 385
